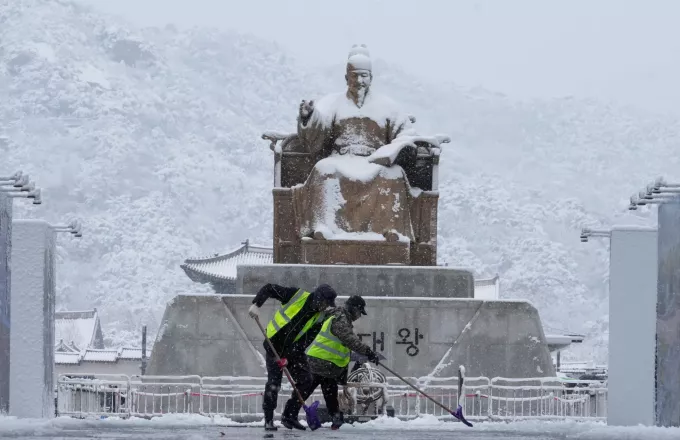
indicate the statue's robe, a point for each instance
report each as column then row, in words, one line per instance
column 350, row 195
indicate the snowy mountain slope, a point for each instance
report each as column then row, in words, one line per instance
column 152, row 137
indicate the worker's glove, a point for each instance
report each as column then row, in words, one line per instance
column 254, row 311
column 373, row 357
column 283, row 362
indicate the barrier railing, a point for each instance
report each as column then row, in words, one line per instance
column 240, row 398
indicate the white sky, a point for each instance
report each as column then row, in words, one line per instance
column 623, row 50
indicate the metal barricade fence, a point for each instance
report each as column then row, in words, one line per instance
column 93, row 394
column 240, row 398
column 547, row 398
column 409, row 404
column 157, row 395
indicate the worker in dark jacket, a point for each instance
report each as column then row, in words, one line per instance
column 329, row 355
column 292, row 328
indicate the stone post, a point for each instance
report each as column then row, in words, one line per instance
column 5, row 279
column 668, row 316
column 33, row 302
column 632, row 326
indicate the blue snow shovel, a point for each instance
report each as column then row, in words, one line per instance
column 312, row 419
column 458, row 413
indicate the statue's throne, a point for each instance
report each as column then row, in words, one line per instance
column 293, row 164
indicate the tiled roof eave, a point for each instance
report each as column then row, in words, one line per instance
column 232, row 253
column 203, row 270
column 199, row 275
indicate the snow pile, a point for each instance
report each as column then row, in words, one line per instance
column 157, row 148
column 338, row 234
column 357, row 168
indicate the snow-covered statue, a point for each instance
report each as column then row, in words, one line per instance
column 369, row 167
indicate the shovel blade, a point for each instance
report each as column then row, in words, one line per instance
column 312, row 418
column 458, row 413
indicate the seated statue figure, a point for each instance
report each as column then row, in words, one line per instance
column 358, row 190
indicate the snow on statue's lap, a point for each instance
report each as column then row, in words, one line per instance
column 356, row 168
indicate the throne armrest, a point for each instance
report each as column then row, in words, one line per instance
column 417, row 155
column 431, row 142
column 274, row 137
column 292, row 161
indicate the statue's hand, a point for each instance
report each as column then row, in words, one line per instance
column 306, row 110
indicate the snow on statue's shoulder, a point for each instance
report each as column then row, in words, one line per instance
column 376, row 107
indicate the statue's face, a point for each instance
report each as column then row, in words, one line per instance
column 359, row 80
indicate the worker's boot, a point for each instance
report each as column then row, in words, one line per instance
column 289, row 416
column 291, row 423
column 269, row 421
column 337, row 420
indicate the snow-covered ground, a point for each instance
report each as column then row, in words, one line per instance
column 199, row 427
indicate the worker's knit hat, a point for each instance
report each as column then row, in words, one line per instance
column 324, row 291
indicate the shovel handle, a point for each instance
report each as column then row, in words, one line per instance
column 278, row 358
column 415, row 387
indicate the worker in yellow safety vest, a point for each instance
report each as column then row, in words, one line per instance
column 293, row 327
column 328, row 357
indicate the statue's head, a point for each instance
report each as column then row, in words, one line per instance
column 359, row 72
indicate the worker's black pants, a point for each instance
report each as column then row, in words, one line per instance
column 329, row 388
column 297, row 367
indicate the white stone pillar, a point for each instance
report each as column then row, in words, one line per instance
column 632, row 326
column 668, row 316
column 5, row 279
column 32, row 319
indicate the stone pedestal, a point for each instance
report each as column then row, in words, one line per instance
column 423, row 319
column 357, row 252
column 5, row 279
column 632, row 326
column 668, row 316
column 200, row 335
column 32, row 320
column 394, row 281
column 214, row 336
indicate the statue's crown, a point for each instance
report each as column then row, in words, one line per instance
column 359, row 48
column 359, row 57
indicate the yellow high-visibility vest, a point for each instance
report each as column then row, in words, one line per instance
column 328, row 347
column 287, row 312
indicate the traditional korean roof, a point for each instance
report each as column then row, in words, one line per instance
column 78, row 330
column 63, row 347
column 223, row 267
column 100, row 355
column 132, row 353
column 105, row 356
column 64, row 358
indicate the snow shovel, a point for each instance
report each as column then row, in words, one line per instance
column 459, row 411
column 310, row 411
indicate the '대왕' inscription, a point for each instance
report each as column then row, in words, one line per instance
column 404, row 335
